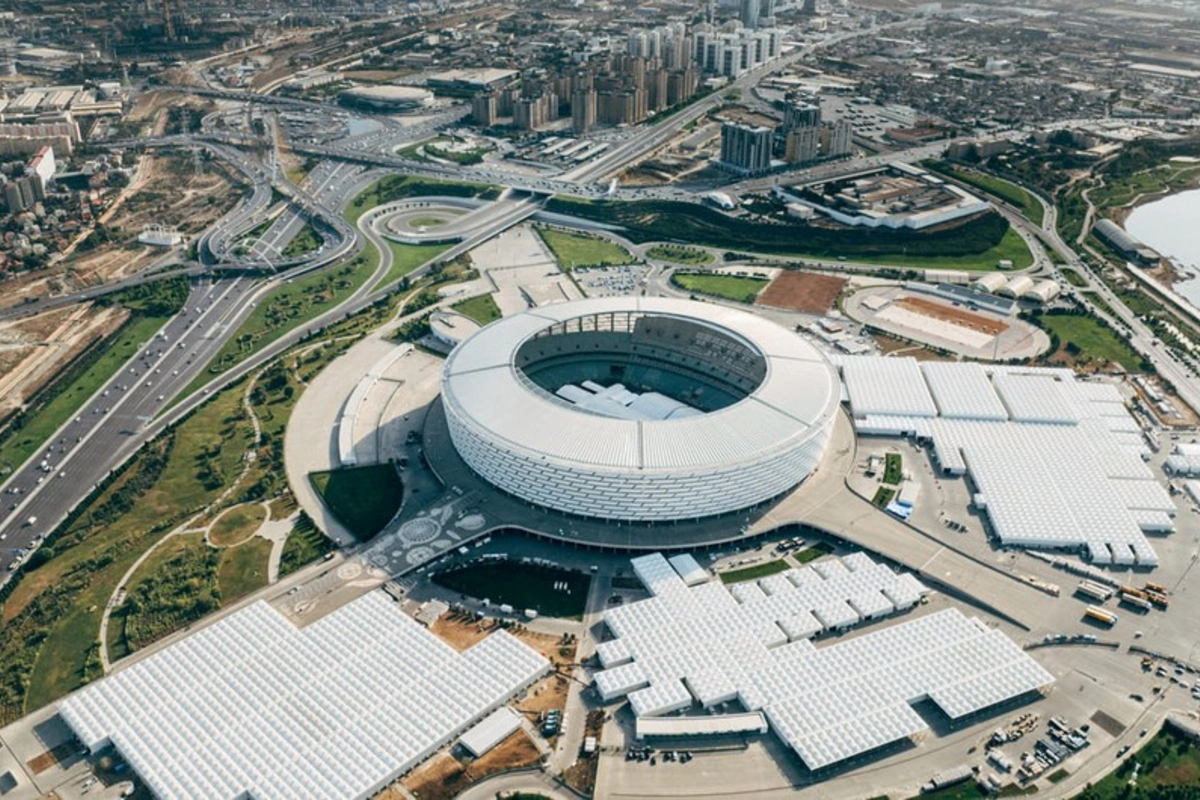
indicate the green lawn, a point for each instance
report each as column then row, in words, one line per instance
column 304, row 545
column 482, row 309
column 893, row 468
column 68, row 403
column 306, row 241
column 398, row 187
column 364, row 499
column 521, row 586
column 406, row 258
column 813, row 553
column 680, row 255
column 427, row 222
column 243, row 569
column 237, row 524
column 174, row 586
column 1011, row 247
column 284, row 309
column 573, row 250
column 1168, row 760
column 1087, row 338
column 883, row 496
column 1011, row 193
column 731, row 287
column 755, row 572
column 1073, row 277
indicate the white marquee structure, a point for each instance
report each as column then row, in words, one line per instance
column 1057, row 462
column 753, row 411
column 252, row 706
column 710, row 644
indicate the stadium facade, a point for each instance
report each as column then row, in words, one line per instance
column 640, row 409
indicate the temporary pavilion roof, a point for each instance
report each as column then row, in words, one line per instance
column 827, row 703
column 252, row 706
column 1057, row 462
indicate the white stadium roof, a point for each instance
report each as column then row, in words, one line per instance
column 252, row 706
column 538, row 446
column 827, row 703
column 1057, row 462
column 796, row 394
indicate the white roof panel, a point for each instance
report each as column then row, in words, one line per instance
column 827, row 703
column 363, row 694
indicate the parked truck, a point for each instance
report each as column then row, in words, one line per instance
column 1100, row 615
column 1093, row 591
column 1135, row 601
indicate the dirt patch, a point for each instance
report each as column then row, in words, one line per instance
column 802, row 291
column 33, row 351
column 40, row 763
column 890, row 344
column 955, row 316
column 445, row 776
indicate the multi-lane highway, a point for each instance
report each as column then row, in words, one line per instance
column 113, row 422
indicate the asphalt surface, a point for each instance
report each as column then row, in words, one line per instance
column 113, row 422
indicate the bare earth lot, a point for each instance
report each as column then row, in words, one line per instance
column 802, row 291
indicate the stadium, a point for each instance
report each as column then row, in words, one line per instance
column 640, row 409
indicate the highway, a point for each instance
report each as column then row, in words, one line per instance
column 113, row 422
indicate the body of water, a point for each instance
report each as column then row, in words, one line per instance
column 1172, row 227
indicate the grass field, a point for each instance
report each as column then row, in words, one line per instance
column 893, row 468
column 243, row 569
column 813, row 553
column 306, row 241
column 237, row 524
column 680, row 255
column 731, row 287
column 1011, row 193
column 1086, row 338
column 1073, row 277
column 398, row 187
column 521, row 586
column 364, row 499
column 883, row 496
column 284, row 309
column 1012, row 247
column 573, row 250
column 406, row 258
column 482, row 309
column 427, row 222
column 755, row 572
column 1168, row 760
column 304, row 545
column 68, row 403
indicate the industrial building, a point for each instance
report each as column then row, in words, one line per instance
column 640, row 408
column 1055, row 462
column 386, row 98
column 710, row 644
column 252, row 706
column 1126, row 245
column 468, row 82
column 899, row 196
